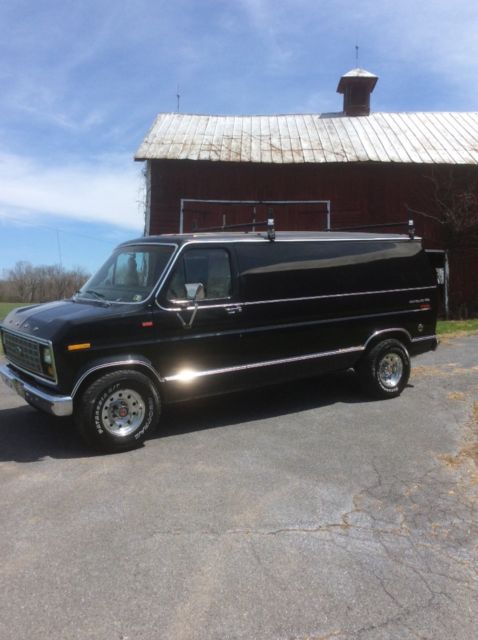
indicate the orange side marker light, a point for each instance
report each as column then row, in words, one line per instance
column 79, row 347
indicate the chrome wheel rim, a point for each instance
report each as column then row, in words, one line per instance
column 122, row 412
column 390, row 370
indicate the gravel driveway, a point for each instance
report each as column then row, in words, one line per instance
column 300, row 512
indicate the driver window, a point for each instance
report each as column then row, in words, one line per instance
column 210, row 267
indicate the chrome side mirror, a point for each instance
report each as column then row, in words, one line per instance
column 194, row 291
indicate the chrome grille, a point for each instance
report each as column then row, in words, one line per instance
column 23, row 352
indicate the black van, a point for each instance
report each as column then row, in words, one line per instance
column 174, row 317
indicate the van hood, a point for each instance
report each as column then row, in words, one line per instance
column 52, row 320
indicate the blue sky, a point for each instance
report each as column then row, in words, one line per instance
column 81, row 82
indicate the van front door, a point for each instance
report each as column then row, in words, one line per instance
column 197, row 322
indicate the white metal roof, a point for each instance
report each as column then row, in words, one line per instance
column 359, row 73
column 431, row 138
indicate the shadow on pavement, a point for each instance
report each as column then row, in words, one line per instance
column 27, row 435
column 261, row 403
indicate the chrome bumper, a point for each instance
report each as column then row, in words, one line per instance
column 54, row 404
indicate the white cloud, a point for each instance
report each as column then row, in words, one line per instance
column 108, row 189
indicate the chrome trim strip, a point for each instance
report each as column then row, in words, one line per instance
column 424, row 338
column 57, row 405
column 189, row 376
column 340, row 295
column 276, row 327
column 116, row 363
column 213, row 237
column 391, row 330
column 401, row 330
column 192, row 375
column 303, row 299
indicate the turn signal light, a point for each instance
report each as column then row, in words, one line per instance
column 79, row 347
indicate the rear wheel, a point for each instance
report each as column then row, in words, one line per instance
column 117, row 411
column 385, row 369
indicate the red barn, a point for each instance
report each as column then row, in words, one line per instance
column 313, row 172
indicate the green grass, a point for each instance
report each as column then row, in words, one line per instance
column 6, row 307
column 457, row 326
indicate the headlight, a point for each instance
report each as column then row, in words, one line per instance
column 47, row 356
column 47, row 362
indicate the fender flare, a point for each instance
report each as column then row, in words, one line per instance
column 382, row 334
column 133, row 360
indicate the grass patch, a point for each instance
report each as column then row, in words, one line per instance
column 457, row 327
column 6, row 307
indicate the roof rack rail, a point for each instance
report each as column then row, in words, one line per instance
column 269, row 223
column 409, row 225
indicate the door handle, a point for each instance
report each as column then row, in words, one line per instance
column 232, row 309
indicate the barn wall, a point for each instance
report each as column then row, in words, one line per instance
column 360, row 193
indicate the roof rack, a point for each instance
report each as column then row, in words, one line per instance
column 269, row 223
column 271, row 234
column 409, row 225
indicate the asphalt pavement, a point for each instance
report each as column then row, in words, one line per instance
column 299, row 512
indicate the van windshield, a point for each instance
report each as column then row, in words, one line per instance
column 129, row 275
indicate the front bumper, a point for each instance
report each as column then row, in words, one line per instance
column 55, row 404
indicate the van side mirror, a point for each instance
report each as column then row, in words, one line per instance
column 195, row 291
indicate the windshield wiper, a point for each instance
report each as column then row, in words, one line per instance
column 97, row 294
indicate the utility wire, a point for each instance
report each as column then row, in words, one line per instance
column 56, row 229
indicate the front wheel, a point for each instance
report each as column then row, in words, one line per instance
column 117, row 411
column 385, row 369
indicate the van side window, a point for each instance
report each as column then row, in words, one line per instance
column 209, row 267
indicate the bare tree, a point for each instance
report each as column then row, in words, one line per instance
column 453, row 205
column 26, row 283
column 23, row 279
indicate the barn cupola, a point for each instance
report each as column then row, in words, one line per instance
column 356, row 87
